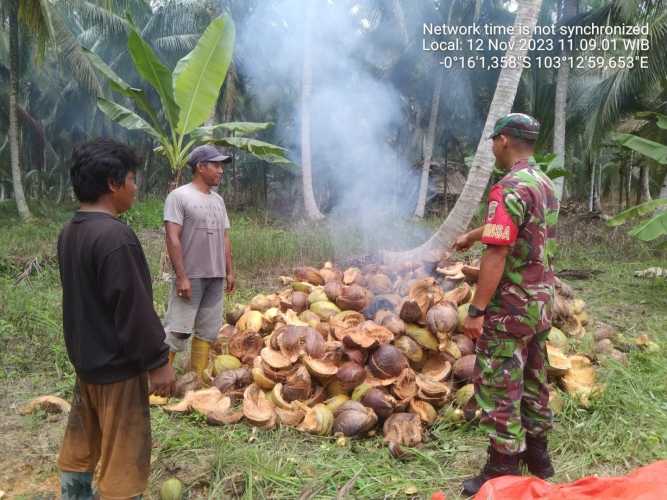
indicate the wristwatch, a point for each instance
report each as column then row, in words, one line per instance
column 475, row 312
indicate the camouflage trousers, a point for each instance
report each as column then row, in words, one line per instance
column 511, row 389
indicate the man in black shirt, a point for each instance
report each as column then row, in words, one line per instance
column 114, row 338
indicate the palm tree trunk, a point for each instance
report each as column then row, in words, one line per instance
column 478, row 177
column 428, row 149
column 560, row 104
column 645, row 188
column 312, row 212
column 19, row 195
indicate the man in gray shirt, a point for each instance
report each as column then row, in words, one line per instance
column 197, row 232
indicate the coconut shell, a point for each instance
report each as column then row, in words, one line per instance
column 318, row 420
column 353, row 275
column 410, row 349
column 350, row 375
column 464, row 368
column 426, row 293
column 299, row 302
column 298, row 385
column 257, row 409
column 344, row 320
column 431, row 387
column 380, row 401
column 291, row 417
column 232, row 380
column 260, row 378
column 221, row 343
column 426, row 412
column 379, row 283
column 366, row 335
column 387, row 362
column 275, row 359
column 394, row 324
column 352, row 298
column 460, row 295
column 353, row 419
column 187, row 382
column 410, row 311
column 405, row 386
column 309, row 275
column 320, row 368
column 234, row 314
column 442, row 318
column 437, row 367
column 402, row 430
column 246, row 345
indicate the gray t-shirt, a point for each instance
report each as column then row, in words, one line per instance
column 204, row 220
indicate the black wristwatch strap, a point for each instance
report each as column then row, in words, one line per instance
column 475, row 312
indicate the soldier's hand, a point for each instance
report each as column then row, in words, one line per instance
column 472, row 327
column 184, row 288
column 462, row 243
column 161, row 380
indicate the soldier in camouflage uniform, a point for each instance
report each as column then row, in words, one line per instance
column 510, row 314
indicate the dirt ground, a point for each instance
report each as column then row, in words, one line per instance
column 29, row 447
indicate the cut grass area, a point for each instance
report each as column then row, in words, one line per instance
column 625, row 427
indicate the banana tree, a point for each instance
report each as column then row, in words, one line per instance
column 187, row 95
column 656, row 226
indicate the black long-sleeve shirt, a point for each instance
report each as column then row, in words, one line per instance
column 112, row 332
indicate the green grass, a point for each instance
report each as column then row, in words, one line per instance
column 624, row 428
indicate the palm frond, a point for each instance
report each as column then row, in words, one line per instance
column 175, row 43
column 35, row 15
column 71, row 55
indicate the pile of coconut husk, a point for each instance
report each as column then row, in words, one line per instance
column 347, row 351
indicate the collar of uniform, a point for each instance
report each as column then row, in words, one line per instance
column 520, row 165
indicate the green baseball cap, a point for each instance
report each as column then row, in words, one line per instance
column 517, row 125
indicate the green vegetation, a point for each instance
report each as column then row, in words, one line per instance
column 625, row 428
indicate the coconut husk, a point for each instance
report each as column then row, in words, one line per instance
column 437, row 367
column 257, row 409
column 402, row 430
column 246, row 345
column 48, row 404
column 426, row 412
column 367, row 335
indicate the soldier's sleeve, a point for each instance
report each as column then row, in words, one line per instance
column 504, row 215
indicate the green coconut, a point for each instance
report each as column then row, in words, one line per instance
column 325, row 309
column 422, row 336
column 463, row 313
column 557, row 338
column 172, row 489
column 225, row 362
column 464, row 394
column 317, row 295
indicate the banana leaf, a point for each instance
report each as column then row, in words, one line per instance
column 651, row 229
column 646, row 147
column 120, row 86
column 241, row 128
column 126, row 118
column 636, row 211
column 151, row 69
column 199, row 75
column 259, row 149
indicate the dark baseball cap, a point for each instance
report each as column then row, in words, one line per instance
column 207, row 152
column 517, row 125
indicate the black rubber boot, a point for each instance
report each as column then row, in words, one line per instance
column 497, row 465
column 536, row 457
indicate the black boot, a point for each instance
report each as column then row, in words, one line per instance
column 536, row 457
column 497, row 465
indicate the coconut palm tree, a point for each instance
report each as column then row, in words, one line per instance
column 569, row 9
column 310, row 205
column 428, row 146
column 483, row 162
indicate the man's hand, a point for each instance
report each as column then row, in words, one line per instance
column 230, row 282
column 472, row 327
column 161, row 380
column 462, row 243
column 184, row 288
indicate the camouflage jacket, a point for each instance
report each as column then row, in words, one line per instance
column 522, row 213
